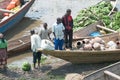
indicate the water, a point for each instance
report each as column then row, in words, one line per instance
column 118, row 5
column 43, row 11
column 19, row 60
column 49, row 10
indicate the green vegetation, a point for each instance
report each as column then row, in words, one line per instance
column 99, row 12
column 115, row 23
column 43, row 58
column 26, row 66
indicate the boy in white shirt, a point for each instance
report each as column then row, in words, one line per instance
column 35, row 44
column 58, row 31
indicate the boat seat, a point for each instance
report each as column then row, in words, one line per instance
column 21, row 41
column 115, row 76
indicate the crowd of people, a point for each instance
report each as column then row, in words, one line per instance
column 62, row 30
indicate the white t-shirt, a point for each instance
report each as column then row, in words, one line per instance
column 43, row 33
column 35, row 42
column 58, row 30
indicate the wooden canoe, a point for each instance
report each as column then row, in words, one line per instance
column 15, row 17
column 95, row 27
column 83, row 56
column 111, row 72
column 18, row 45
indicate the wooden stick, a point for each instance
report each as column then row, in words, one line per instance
column 8, row 11
column 113, row 8
column 112, row 75
column 107, row 29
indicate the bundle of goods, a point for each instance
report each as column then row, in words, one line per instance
column 97, row 43
column 99, row 12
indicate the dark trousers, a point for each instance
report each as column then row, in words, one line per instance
column 68, row 38
column 36, row 57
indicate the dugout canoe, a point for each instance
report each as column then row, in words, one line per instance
column 111, row 72
column 16, row 16
column 83, row 56
column 95, row 27
column 18, row 45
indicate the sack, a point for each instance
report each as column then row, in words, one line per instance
column 47, row 44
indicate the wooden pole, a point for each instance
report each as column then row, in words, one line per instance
column 114, row 5
column 112, row 75
column 8, row 11
column 107, row 29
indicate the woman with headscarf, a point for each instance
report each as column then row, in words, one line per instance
column 3, row 51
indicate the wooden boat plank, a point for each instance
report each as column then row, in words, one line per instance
column 108, row 73
column 104, row 28
column 16, row 46
column 88, row 56
column 99, row 74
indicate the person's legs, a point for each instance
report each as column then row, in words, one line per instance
column 61, row 42
column 39, row 58
column 34, row 59
column 5, row 63
column 56, row 44
column 66, row 40
column 70, row 39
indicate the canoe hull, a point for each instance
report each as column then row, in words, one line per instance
column 18, row 45
column 77, row 57
column 94, row 56
column 11, row 21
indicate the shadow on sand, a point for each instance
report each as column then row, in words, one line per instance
column 83, row 69
column 9, row 73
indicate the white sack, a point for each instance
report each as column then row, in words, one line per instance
column 47, row 44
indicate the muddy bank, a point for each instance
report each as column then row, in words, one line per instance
column 52, row 69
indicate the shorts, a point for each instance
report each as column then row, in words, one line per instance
column 36, row 56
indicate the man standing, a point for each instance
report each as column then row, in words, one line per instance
column 68, row 23
column 35, row 44
column 44, row 32
column 58, row 31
